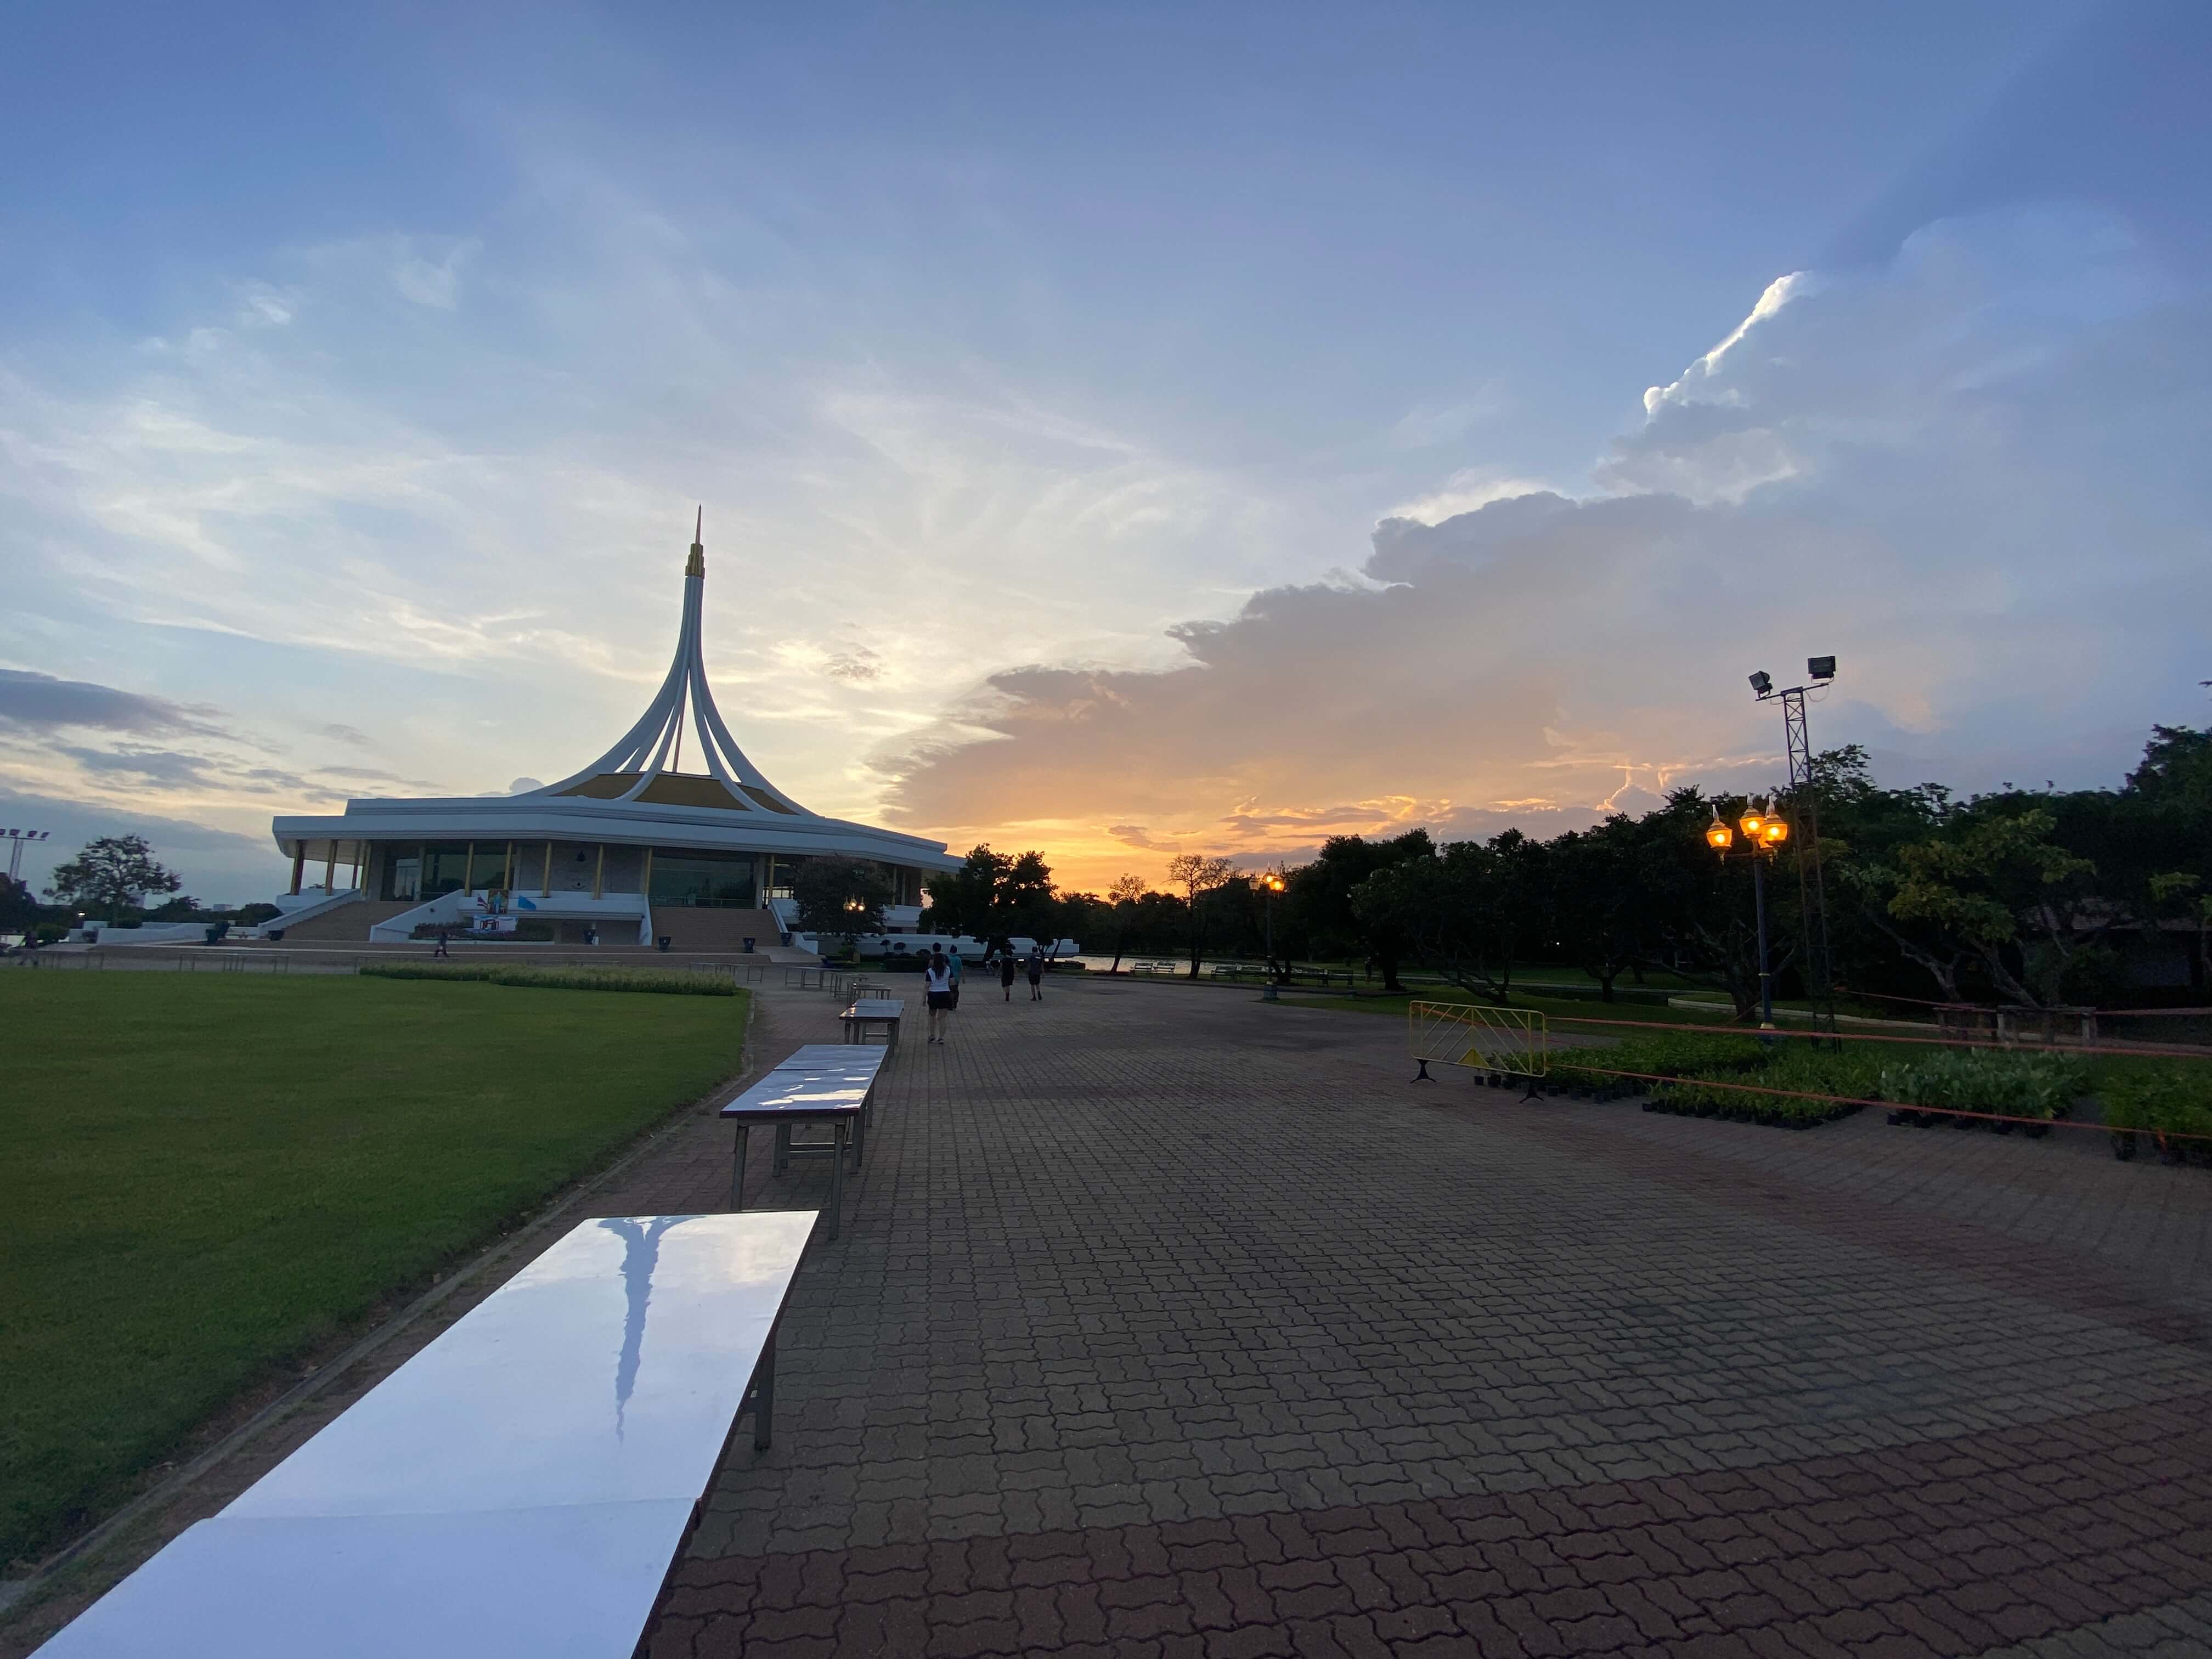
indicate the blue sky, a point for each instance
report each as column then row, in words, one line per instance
column 1120, row 431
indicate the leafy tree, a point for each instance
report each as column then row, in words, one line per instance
column 1124, row 895
column 1470, row 912
column 19, row 910
column 1600, row 899
column 966, row 900
column 1025, row 903
column 114, row 874
column 1999, row 886
column 181, row 909
column 1199, row 876
column 1320, row 900
column 840, row 898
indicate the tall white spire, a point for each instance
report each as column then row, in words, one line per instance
column 644, row 753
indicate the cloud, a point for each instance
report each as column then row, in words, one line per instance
column 344, row 734
column 1970, row 474
column 216, row 864
column 31, row 701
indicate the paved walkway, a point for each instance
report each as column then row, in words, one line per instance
column 1168, row 1322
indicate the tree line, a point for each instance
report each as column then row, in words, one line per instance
column 2040, row 897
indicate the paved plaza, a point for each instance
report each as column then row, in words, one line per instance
column 1168, row 1322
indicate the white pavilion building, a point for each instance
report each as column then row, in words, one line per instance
column 626, row 851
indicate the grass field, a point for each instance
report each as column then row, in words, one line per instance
column 206, row 1176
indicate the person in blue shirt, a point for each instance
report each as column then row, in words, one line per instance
column 958, row 966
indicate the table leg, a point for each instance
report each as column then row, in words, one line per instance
column 781, row 1165
column 738, row 1172
column 836, row 1175
column 764, row 1394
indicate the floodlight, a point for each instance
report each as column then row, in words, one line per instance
column 1820, row 668
column 1762, row 683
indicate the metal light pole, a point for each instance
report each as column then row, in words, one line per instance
column 1763, row 834
column 1271, row 884
column 16, row 839
column 1812, row 890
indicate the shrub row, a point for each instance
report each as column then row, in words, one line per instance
column 2170, row 1103
column 662, row 981
column 1925, row 1086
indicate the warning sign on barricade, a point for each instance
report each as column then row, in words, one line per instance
column 1500, row 1042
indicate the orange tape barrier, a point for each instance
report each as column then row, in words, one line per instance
column 2143, row 1051
column 1991, row 1007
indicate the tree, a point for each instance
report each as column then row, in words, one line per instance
column 19, row 910
column 1600, row 899
column 840, row 898
column 1998, row 884
column 1319, row 895
column 1198, row 875
column 114, row 874
column 966, row 900
column 1025, row 902
column 1470, row 912
column 1124, row 895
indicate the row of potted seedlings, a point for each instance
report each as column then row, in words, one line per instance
column 2169, row 1106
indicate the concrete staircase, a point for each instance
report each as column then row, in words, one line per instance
column 704, row 932
column 348, row 922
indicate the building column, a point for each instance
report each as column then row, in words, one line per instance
column 469, row 869
column 599, row 873
column 298, row 865
column 331, row 868
column 546, row 890
column 506, row 870
column 645, row 881
column 360, row 860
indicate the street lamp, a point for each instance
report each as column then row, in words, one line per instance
column 1270, row 884
column 1764, row 832
column 15, row 840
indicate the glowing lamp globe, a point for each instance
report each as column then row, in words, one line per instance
column 1718, row 835
column 1776, row 832
column 1754, row 824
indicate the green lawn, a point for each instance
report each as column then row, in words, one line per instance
column 205, row 1176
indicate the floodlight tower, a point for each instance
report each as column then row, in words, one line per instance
column 15, row 840
column 1811, row 891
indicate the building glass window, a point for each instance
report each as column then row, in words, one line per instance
column 689, row 877
column 445, row 866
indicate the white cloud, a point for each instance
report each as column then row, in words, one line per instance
column 1974, row 475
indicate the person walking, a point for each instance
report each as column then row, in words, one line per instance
column 1006, row 973
column 937, row 985
column 1036, row 972
column 441, row 950
column 957, row 969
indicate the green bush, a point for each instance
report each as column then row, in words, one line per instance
column 2043, row 1086
column 1662, row 1054
column 664, row 981
column 2169, row 1100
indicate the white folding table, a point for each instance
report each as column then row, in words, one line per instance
column 518, row 1488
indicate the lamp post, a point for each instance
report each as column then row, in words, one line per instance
column 15, row 838
column 1270, row 884
column 1764, row 832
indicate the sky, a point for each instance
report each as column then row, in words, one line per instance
column 1120, row 431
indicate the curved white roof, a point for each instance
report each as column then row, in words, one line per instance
column 633, row 793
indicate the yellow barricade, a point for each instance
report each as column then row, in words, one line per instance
column 1502, row 1042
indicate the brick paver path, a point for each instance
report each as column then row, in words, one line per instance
column 1168, row 1322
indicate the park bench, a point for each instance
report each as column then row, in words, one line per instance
column 822, row 1083
column 520, row 1487
column 867, row 1014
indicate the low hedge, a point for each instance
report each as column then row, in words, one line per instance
column 1689, row 1073
column 663, row 980
column 2171, row 1103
